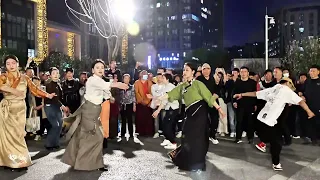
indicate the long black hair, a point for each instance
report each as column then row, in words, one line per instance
column 192, row 66
column 168, row 77
column 10, row 57
column 96, row 62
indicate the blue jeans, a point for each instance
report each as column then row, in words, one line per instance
column 232, row 117
column 54, row 116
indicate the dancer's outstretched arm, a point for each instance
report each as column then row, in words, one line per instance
column 247, row 94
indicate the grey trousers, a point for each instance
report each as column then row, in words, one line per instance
column 84, row 151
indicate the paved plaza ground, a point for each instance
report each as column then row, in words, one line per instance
column 132, row 161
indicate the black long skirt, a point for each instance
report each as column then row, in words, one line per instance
column 191, row 155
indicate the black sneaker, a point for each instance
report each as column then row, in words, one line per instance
column 103, row 169
column 277, row 167
column 16, row 169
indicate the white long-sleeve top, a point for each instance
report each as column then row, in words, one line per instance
column 157, row 90
column 167, row 104
column 97, row 89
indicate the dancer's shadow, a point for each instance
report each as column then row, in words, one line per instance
column 248, row 153
column 128, row 146
column 8, row 175
column 212, row 172
column 78, row 175
column 39, row 155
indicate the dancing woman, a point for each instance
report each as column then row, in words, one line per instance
column 190, row 156
column 84, row 151
column 14, row 153
column 269, row 125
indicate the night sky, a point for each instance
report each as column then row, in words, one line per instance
column 244, row 19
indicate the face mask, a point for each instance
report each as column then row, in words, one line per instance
column 286, row 75
column 144, row 77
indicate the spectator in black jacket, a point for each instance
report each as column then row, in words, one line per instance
column 229, row 101
column 312, row 97
column 245, row 106
column 113, row 70
column 207, row 79
column 302, row 115
column 70, row 88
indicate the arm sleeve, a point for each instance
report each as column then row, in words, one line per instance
column 101, row 84
column 36, row 91
column 153, row 90
column 175, row 94
column 206, row 94
column 3, row 80
column 133, row 95
column 263, row 93
column 139, row 98
column 164, row 103
column 235, row 91
column 292, row 97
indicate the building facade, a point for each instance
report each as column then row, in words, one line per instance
column 257, row 65
column 65, row 39
column 36, row 27
column 249, row 50
column 175, row 28
column 24, row 27
column 293, row 23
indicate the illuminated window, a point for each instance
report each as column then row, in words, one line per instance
column 194, row 17
column 31, row 53
column 173, row 17
column 158, row 5
column 149, row 62
column 168, row 4
column 204, row 15
column 201, row 1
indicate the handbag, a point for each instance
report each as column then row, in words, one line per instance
column 33, row 121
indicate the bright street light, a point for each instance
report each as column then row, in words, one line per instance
column 125, row 9
column 272, row 21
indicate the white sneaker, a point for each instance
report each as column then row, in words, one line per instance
column 296, row 137
column 244, row 134
column 222, row 134
column 277, row 167
column 232, row 135
column 156, row 135
column 171, row 146
column 37, row 138
column 214, row 141
column 119, row 139
column 165, row 142
column 255, row 134
column 179, row 135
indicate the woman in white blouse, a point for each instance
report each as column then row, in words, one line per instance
column 84, row 151
column 171, row 112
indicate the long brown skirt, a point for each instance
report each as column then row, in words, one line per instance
column 144, row 121
column 84, row 151
column 13, row 148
